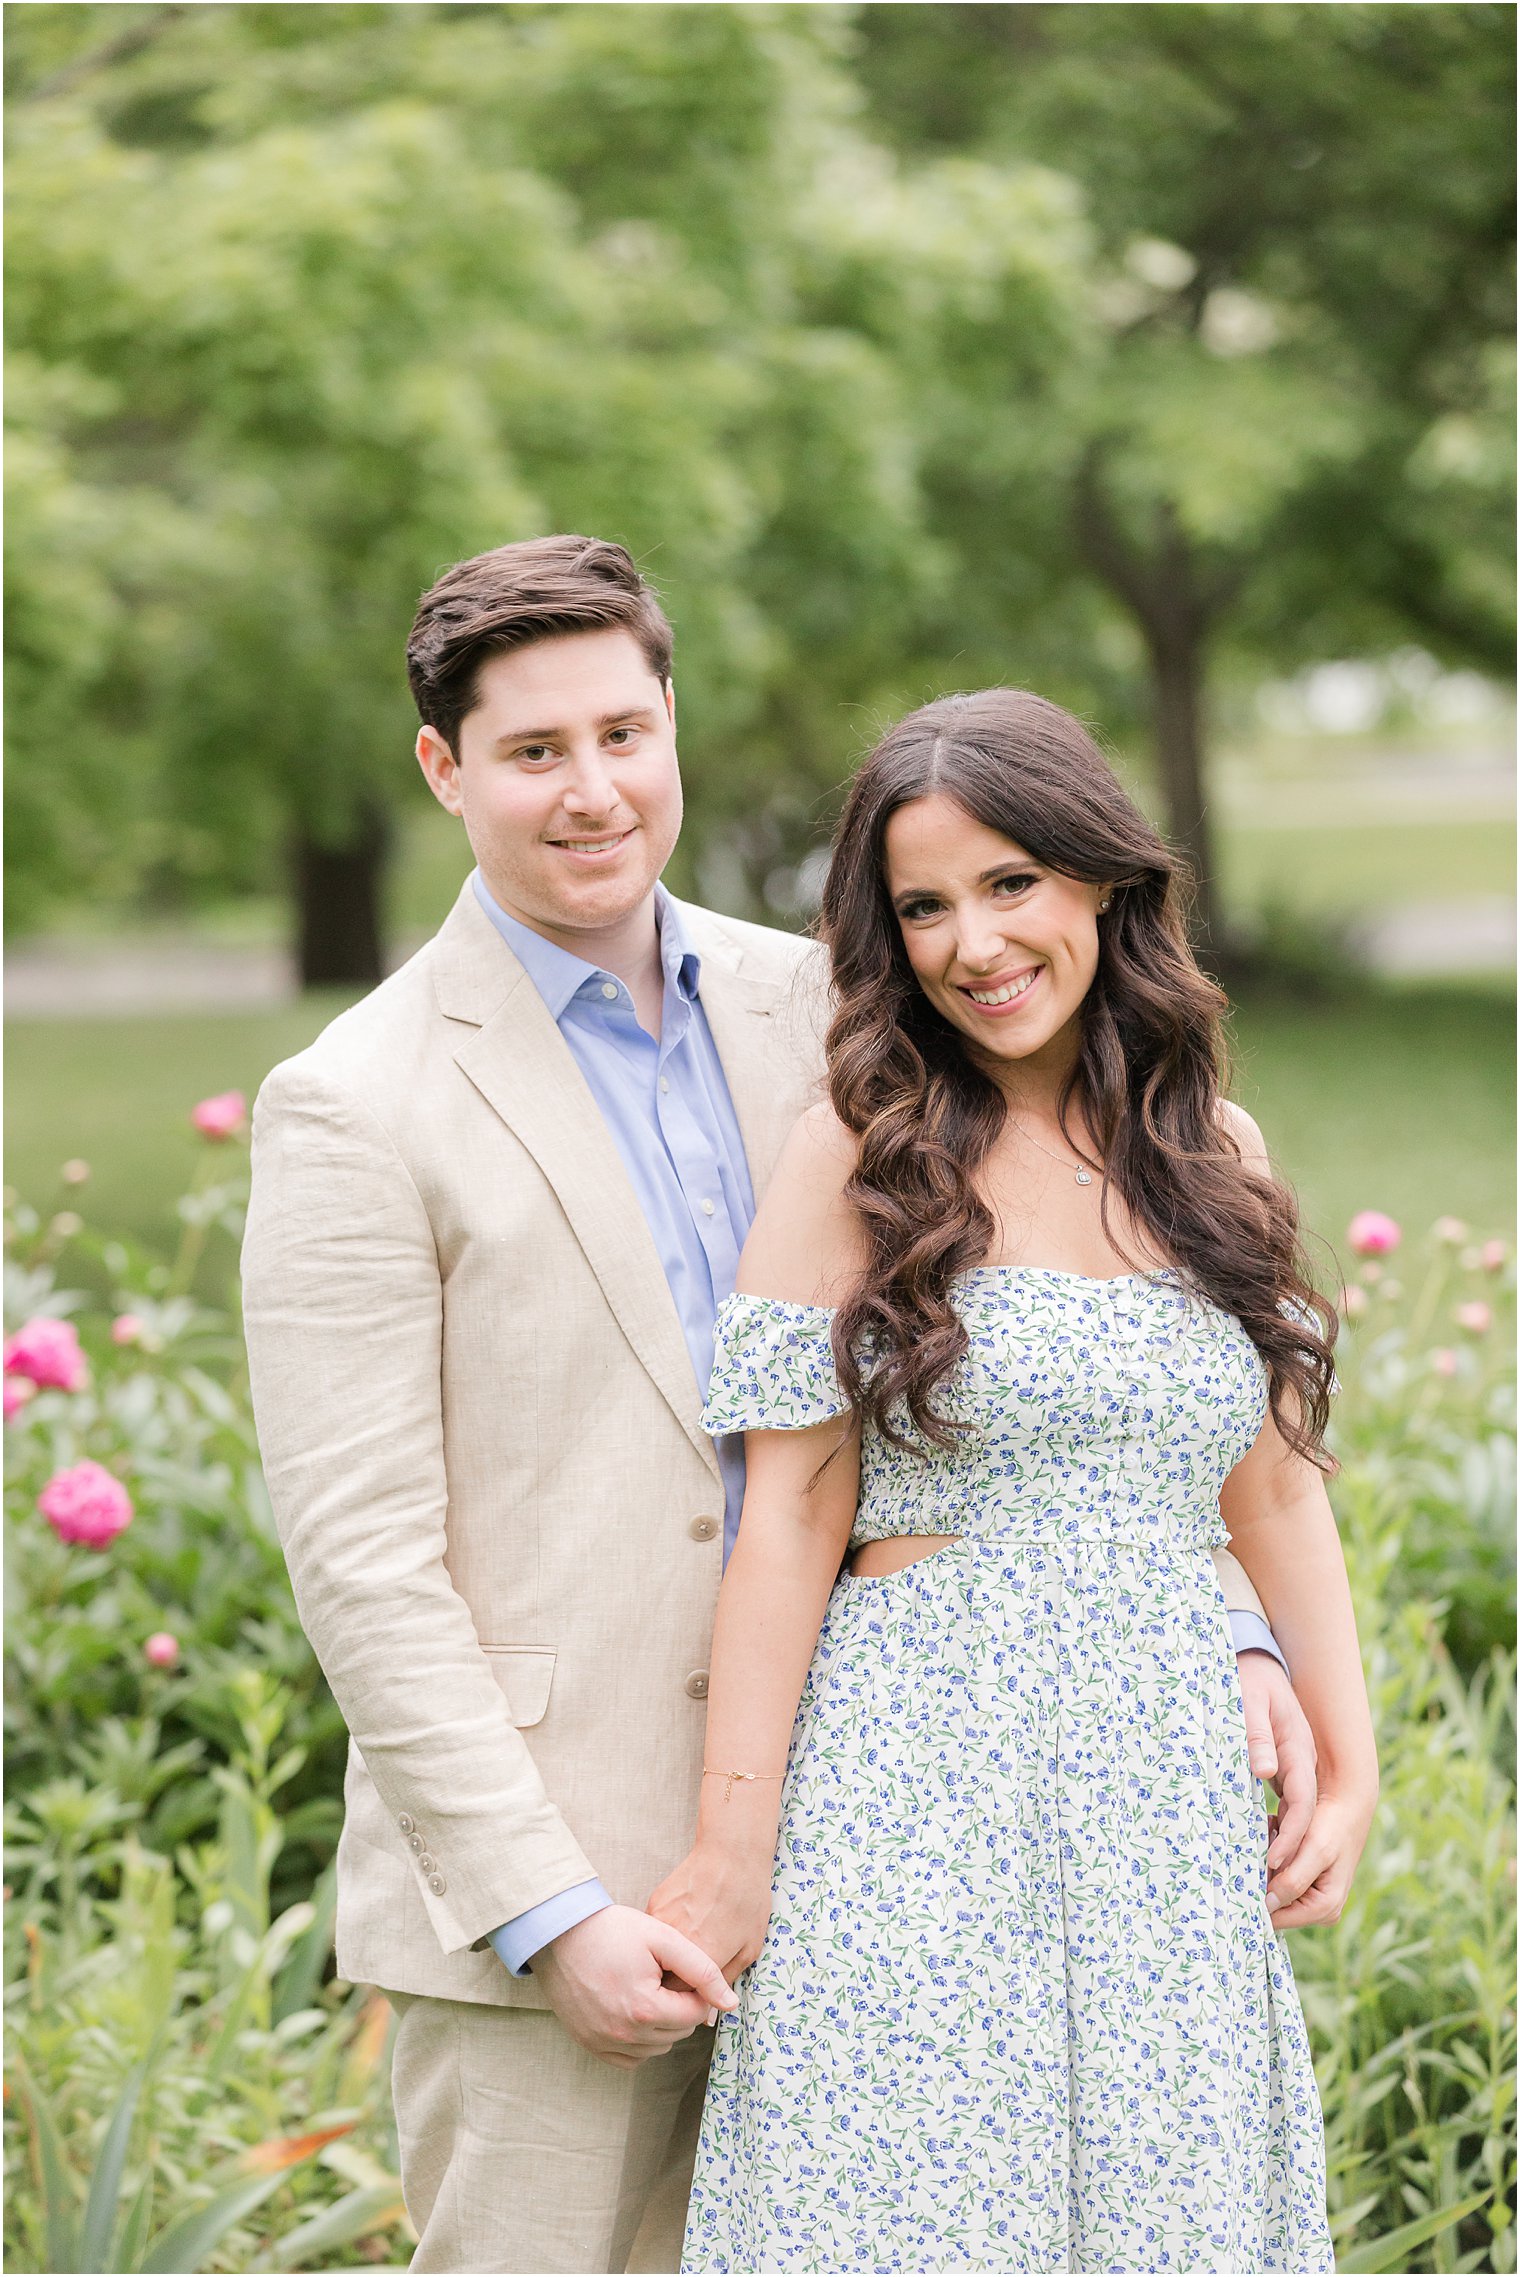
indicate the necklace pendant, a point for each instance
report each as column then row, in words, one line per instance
column 1084, row 1177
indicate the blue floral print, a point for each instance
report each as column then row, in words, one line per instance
column 1020, row 2005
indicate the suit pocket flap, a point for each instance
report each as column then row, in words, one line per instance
column 525, row 1673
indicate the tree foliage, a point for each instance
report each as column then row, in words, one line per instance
column 894, row 350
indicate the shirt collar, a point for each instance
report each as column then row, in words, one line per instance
column 559, row 976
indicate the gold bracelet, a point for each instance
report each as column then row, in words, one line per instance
column 731, row 1776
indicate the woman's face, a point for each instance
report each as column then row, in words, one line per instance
column 1003, row 947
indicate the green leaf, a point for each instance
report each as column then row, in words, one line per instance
column 105, row 2183
column 60, row 2198
column 134, row 2229
column 297, row 1984
column 1391, row 2250
column 362, row 2211
column 187, row 2244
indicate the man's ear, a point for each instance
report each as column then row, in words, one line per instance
column 670, row 700
column 438, row 764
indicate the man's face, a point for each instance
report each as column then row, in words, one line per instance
column 566, row 780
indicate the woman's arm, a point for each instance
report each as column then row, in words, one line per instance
column 799, row 1508
column 1283, row 1531
column 791, row 1542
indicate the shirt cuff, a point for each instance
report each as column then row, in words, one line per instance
column 518, row 1940
column 1249, row 1633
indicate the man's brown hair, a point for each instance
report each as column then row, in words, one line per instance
column 516, row 594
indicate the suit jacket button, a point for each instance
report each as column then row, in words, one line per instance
column 406, row 1824
column 426, row 1863
column 437, row 1884
column 414, row 1842
column 702, row 1529
column 696, row 1684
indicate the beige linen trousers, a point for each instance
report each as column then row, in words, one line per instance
column 504, row 1527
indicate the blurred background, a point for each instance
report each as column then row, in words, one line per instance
column 1159, row 358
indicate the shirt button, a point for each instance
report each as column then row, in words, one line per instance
column 437, row 1884
column 696, row 1684
column 426, row 1863
column 609, row 989
column 702, row 1529
column 414, row 1842
column 406, row 1824
column 708, row 1209
column 664, row 1082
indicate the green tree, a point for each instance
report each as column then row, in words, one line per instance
column 349, row 293
column 1292, row 436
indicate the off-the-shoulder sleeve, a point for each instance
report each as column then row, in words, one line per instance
column 773, row 1368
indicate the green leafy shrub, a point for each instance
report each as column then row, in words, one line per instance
column 190, row 2088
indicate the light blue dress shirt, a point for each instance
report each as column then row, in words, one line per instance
column 668, row 1108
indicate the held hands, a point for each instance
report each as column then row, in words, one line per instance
column 722, row 1902
column 1316, row 1838
column 627, row 1986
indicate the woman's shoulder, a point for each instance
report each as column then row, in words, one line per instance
column 1245, row 1131
column 805, row 1246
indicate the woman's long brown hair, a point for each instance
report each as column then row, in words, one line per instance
column 1148, row 1076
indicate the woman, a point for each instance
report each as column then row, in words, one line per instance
column 1022, row 1324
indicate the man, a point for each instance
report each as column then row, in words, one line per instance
column 494, row 1209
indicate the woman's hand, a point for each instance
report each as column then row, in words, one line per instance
column 1312, row 1885
column 721, row 1901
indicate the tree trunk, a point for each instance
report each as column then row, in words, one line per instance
column 1177, row 668
column 1176, row 601
column 338, row 892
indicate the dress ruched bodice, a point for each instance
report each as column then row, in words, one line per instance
column 1091, row 1409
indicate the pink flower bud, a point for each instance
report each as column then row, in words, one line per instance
column 222, row 1116
column 1475, row 1317
column 86, row 1504
column 126, row 1328
column 74, row 1171
column 18, row 1390
column 1372, row 1233
column 161, row 1650
column 48, row 1351
column 1493, row 1256
column 1451, row 1232
column 1353, row 1302
column 1444, row 1361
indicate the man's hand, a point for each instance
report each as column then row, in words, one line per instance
column 1281, row 1749
column 627, row 1986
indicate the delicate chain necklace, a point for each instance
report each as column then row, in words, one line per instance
column 1083, row 1175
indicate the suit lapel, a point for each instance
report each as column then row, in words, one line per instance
column 512, row 1051
column 764, row 1059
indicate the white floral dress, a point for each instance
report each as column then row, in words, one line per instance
column 1020, row 2006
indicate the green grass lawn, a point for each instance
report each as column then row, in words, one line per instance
column 1345, row 870
column 1396, row 1100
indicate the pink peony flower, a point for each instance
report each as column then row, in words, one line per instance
column 1372, row 1234
column 1451, row 1232
column 161, row 1650
column 48, row 1351
column 86, row 1504
column 221, row 1117
column 1493, row 1256
column 18, row 1390
column 1474, row 1316
column 1444, row 1361
column 126, row 1328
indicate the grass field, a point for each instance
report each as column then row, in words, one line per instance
column 1395, row 1099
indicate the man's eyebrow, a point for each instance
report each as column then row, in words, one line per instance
column 550, row 734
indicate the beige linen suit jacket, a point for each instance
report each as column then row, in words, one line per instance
column 479, row 1425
